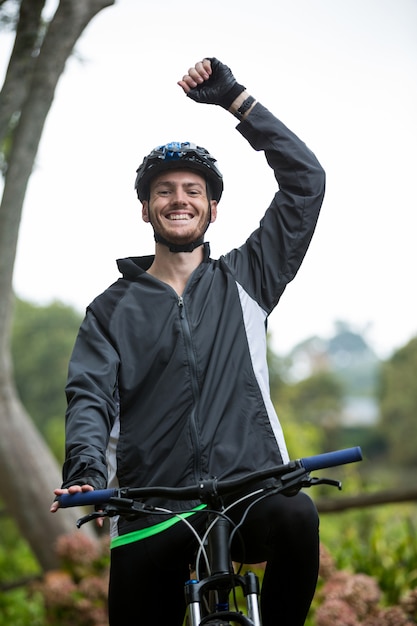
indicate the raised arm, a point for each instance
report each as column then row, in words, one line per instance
column 211, row 82
column 272, row 255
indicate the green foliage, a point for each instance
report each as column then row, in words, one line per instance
column 369, row 438
column 16, row 558
column 303, row 440
column 41, row 345
column 377, row 542
column 42, row 341
column 277, row 368
column 75, row 594
column 53, row 432
column 313, row 404
column 318, row 400
column 21, row 607
column 398, row 405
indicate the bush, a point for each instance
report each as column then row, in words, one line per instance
column 380, row 543
column 77, row 594
column 368, row 577
column 351, row 599
column 21, row 607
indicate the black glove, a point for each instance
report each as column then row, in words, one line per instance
column 221, row 88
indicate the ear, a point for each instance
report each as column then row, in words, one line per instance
column 213, row 205
column 145, row 211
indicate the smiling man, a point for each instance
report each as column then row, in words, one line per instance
column 178, row 204
column 168, row 380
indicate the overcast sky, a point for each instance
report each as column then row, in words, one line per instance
column 340, row 74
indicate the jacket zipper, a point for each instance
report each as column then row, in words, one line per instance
column 194, row 386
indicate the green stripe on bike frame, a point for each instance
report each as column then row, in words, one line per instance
column 144, row 533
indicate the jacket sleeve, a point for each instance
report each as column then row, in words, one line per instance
column 272, row 255
column 92, row 405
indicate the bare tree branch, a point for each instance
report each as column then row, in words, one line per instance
column 364, row 500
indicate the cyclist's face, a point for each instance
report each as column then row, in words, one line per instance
column 178, row 206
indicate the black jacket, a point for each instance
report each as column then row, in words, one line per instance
column 165, row 390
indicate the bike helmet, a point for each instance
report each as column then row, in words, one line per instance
column 176, row 155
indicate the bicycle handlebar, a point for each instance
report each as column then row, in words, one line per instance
column 307, row 464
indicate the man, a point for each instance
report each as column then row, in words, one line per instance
column 168, row 380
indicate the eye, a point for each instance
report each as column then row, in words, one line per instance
column 195, row 191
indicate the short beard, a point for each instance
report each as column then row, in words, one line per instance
column 187, row 246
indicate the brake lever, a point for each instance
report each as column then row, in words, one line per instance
column 131, row 510
column 324, row 481
column 297, row 481
column 90, row 517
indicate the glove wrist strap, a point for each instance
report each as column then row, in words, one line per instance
column 244, row 107
column 230, row 96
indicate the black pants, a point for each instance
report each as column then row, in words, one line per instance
column 147, row 577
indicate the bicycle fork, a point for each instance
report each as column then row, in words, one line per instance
column 219, row 583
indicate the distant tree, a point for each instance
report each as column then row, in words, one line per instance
column 36, row 63
column 278, row 371
column 42, row 341
column 302, row 423
column 398, row 405
column 347, row 354
column 318, row 401
column 353, row 359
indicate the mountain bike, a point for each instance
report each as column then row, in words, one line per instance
column 211, row 594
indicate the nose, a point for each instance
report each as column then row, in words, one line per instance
column 179, row 196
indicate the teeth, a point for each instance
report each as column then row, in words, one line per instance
column 179, row 216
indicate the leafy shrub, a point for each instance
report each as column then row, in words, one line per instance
column 21, row 607
column 77, row 594
column 354, row 599
column 380, row 544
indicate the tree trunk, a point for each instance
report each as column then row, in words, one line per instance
column 28, row 475
column 22, row 60
column 27, row 467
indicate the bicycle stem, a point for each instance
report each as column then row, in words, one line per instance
column 218, row 542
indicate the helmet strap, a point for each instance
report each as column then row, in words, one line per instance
column 187, row 247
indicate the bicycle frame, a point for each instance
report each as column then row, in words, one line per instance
column 220, row 579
